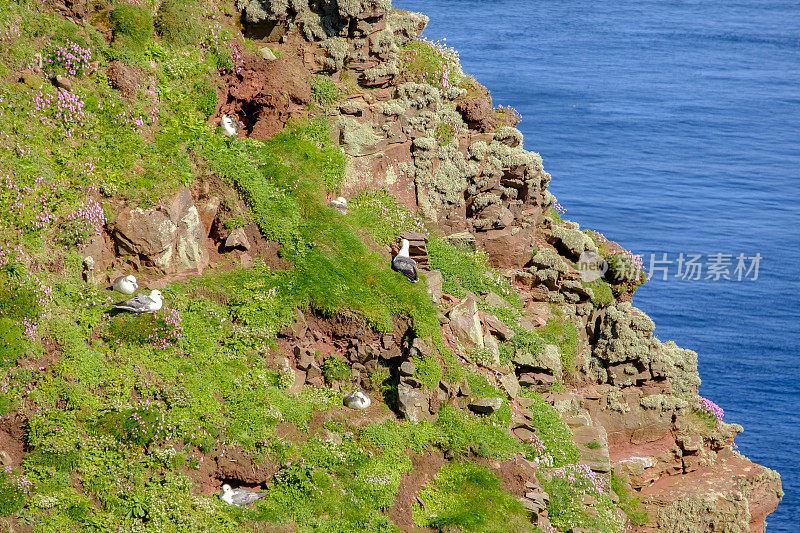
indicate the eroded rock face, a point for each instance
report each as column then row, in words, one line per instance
column 466, row 323
column 172, row 239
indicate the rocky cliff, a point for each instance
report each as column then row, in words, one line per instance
column 518, row 388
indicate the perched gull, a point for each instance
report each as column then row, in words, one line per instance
column 403, row 263
column 240, row 497
column 126, row 284
column 357, row 400
column 340, row 204
column 142, row 303
column 229, row 126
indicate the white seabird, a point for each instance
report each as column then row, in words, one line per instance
column 141, row 303
column 229, row 126
column 403, row 263
column 126, row 284
column 239, row 497
column 357, row 400
column 340, row 204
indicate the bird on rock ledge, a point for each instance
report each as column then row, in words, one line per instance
column 403, row 263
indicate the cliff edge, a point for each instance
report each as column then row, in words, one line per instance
column 516, row 388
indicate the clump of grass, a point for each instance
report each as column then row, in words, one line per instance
column 335, row 369
column 445, row 132
column 324, row 91
column 627, row 502
column 553, row 432
column 132, row 23
column 603, row 294
column 524, row 341
column 384, row 216
column 567, row 486
column 467, row 271
column 563, row 333
column 428, row 371
column 462, row 432
column 430, row 62
column 176, row 21
column 469, row 497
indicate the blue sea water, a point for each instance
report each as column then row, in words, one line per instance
column 672, row 127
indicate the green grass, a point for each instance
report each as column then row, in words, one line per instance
column 177, row 22
column 324, row 91
column 565, row 510
column 467, row 271
column 424, row 61
column 384, row 216
column 468, row 496
column 554, row 433
column 563, row 333
column 603, row 294
column 627, row 502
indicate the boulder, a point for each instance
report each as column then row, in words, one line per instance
column 464, row 240
column 124, row 78
column 497, row 328
column 208, row 209
column 486, row 405
column 510, row 383
column 477, row 111
column 573, row 241
column 267, row 53
column 412, row 403
column 491, row 347
column 172, row 239
column 548, row 361
column 540, row 381
column 493, row 299
column 465, row 322
column 407, row 368
column 237, row 239
column 435, row 279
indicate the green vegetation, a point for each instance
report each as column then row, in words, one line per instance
column 554, row 434
column 553, row 215
column 428, row 371
column 324, row 91
column 335, row 369
column 594, row 445
column 563, row 333
column 386, row 218
column 603, row 294
column 431, row 62
column 628, row 503
column 568, row 485
column 177, row 22
column 469, row 497
column 467, row 271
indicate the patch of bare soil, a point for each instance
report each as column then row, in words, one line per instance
column 424, row 469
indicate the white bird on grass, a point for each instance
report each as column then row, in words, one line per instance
column 141, row 303
column 239, row 497
column 357, row 400
column 126, row 284
column 229, row 126
column 340, row 204
column 403, row 263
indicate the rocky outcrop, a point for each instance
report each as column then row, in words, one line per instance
column 170, row 238
column 631, row 399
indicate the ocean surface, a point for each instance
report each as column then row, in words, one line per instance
column 672, row 127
